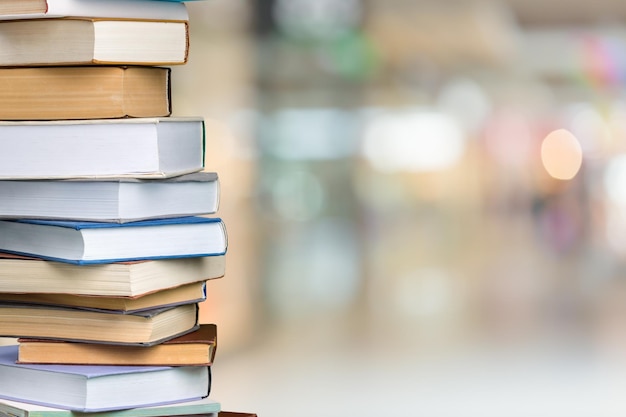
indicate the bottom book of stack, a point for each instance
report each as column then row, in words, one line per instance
column 93, row 388
column 204, row 407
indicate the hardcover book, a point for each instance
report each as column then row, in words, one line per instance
column 169, row 297
column 118, row 279
column 139, row 148
column 101, row 92
column 128, row 9
column 233, row 413
column 146, row 328
column 99, row 388
column 205, row 407
column 93, row 242
column 118, row 200
column 84, row 41
column 192, row 349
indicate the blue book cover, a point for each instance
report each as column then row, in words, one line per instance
column 99, row 388
column 78, row 225
column 81, row 242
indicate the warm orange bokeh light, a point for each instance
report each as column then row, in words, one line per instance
column 561, row 154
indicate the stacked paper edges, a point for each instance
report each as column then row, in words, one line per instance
column 107, row 231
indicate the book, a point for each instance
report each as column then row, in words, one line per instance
column 118, row 200
column 95, row 242
column 99, row 388
column 192, row 349
column 119, row 279
column 84, row 41
column 92, row 92
column 145, row 328
column 129, row 9
column 206, row 407
column 169, row 297
column 232, row 413
column 140, row 148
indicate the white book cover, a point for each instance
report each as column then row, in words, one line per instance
column 141, row 148
column 205, row 406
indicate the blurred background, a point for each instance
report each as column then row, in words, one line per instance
column 425, row 200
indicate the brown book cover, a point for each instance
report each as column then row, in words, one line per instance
column 70, row 93
column 194, row 292
column 192, row 349
column 119, row 279
column 145, row 328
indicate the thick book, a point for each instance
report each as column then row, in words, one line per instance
column 118, row 200
column 119, row 279
column 206, row 407
column 136, row 147
column 99, row 388
column 192, row 349
column 90, row 92
column 94, row 242
column 146, row 328
column 84, row 41
column 169, row 297
column 126, row 9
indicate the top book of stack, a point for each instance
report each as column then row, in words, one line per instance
column 93, row 32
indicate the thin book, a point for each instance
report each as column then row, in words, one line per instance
column 121, row 9
column 192, row 349
column 206, row 407
column 194, row 292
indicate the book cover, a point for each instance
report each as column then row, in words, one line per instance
column 96, row 148
column 232, row 413
column 118, row 279
column 197, row 348
column 83, row 41
column 169, row 297
column 95, row 242
column 99, row 388
column 206, row 407
column 127, row 9
column 145, row 328
column 119, row 200
column 91, row 92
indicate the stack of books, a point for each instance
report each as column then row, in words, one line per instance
column 107, row 227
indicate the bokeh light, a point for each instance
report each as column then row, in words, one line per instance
column 403, row 215
column 413, row 141
column 615, row 180
column 561, row 154
column 317, row 19
column 466, row 101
